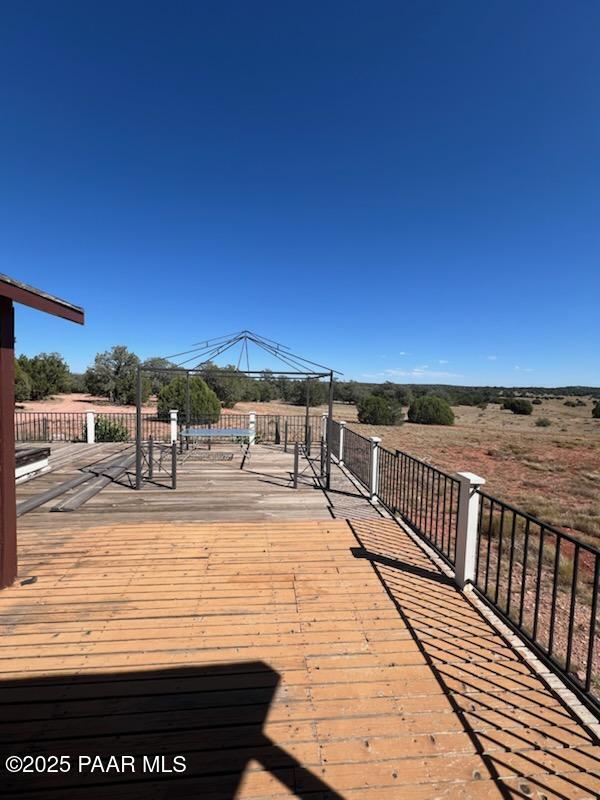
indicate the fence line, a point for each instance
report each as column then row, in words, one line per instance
column 542, row 581
column 545, row 583
column 41, row 426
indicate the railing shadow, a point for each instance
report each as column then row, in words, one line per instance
column 201, row 731
column 530, row 743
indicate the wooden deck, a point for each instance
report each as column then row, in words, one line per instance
column 206, row 490
column 319, row 658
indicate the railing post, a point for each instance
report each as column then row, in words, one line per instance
column 173, row 465
column 252, row 427
column 341, row 449
column 466, row 528
column 150, row 458
column 90, row 426
column 324, row 426
column 285, row 437
column 296, row 464
column 374, row 487
column 173, row 418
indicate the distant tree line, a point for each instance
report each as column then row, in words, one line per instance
column 113, row 375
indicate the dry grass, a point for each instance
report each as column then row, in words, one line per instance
column 551, row 472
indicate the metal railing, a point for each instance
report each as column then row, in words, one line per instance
column 159, row 463
column 427, row 499
column 357, row 456
column 42, row 426
column 544, row 582
column 334, row 437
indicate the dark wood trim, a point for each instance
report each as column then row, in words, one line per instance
column 8, row 514
column 42, row 301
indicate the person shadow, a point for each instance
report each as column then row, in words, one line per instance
column 183, row 732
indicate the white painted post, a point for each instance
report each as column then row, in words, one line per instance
column 173, row 416
column 373, row 489
column 90, row 425
column 252, row 427
column 466, row 530
column 324, row 427
column 342, row 432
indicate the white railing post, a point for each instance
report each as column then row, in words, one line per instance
column 90, row 426
column 252, row 427
column 466, row 528
column 373, row 489
column 342, row 432
column 173, row 417
column 324, row 427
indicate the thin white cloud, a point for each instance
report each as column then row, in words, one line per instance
column 442, row 361
column 492, row 358
column 421, row 372
column 524, row 369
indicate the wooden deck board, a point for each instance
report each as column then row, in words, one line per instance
column 281, row 658
column 255, row 630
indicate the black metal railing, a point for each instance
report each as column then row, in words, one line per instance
column 33, row 426
column 429, row 503
column 159, row 463
column 358, row 456
column 544, row 582
column 41, row 426
column 334, row 437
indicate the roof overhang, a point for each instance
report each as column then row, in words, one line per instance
column 42, row 301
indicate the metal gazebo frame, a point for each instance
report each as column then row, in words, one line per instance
column 209, row 349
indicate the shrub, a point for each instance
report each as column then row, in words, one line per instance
column 379, row 410
column 482, row 406
column 430, row 410
column 536, row 402
column 204, row 403
column 596, row 410
column 108, row 430
column 518, row 405
column 543, row 422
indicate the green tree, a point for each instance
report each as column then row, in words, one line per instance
column 22, row 384
column 318, row 392
column 228, row 383
column 158, row 379
column 596, row 410
column 48, row 374
column 76, row 382
column 431, row 410
column 379, row 410
column 114, row 375
column 204, row 403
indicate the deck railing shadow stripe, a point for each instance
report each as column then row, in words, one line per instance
column 495, row 761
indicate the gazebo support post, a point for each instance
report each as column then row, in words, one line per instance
column 138, row 429
column 187, row 399
column 8, row 513
column 306, row 415
column 329, row 418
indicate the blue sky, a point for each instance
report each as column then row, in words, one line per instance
column 405, row 190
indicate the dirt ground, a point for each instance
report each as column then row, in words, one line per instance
column 78, row 403
column 552, row 472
